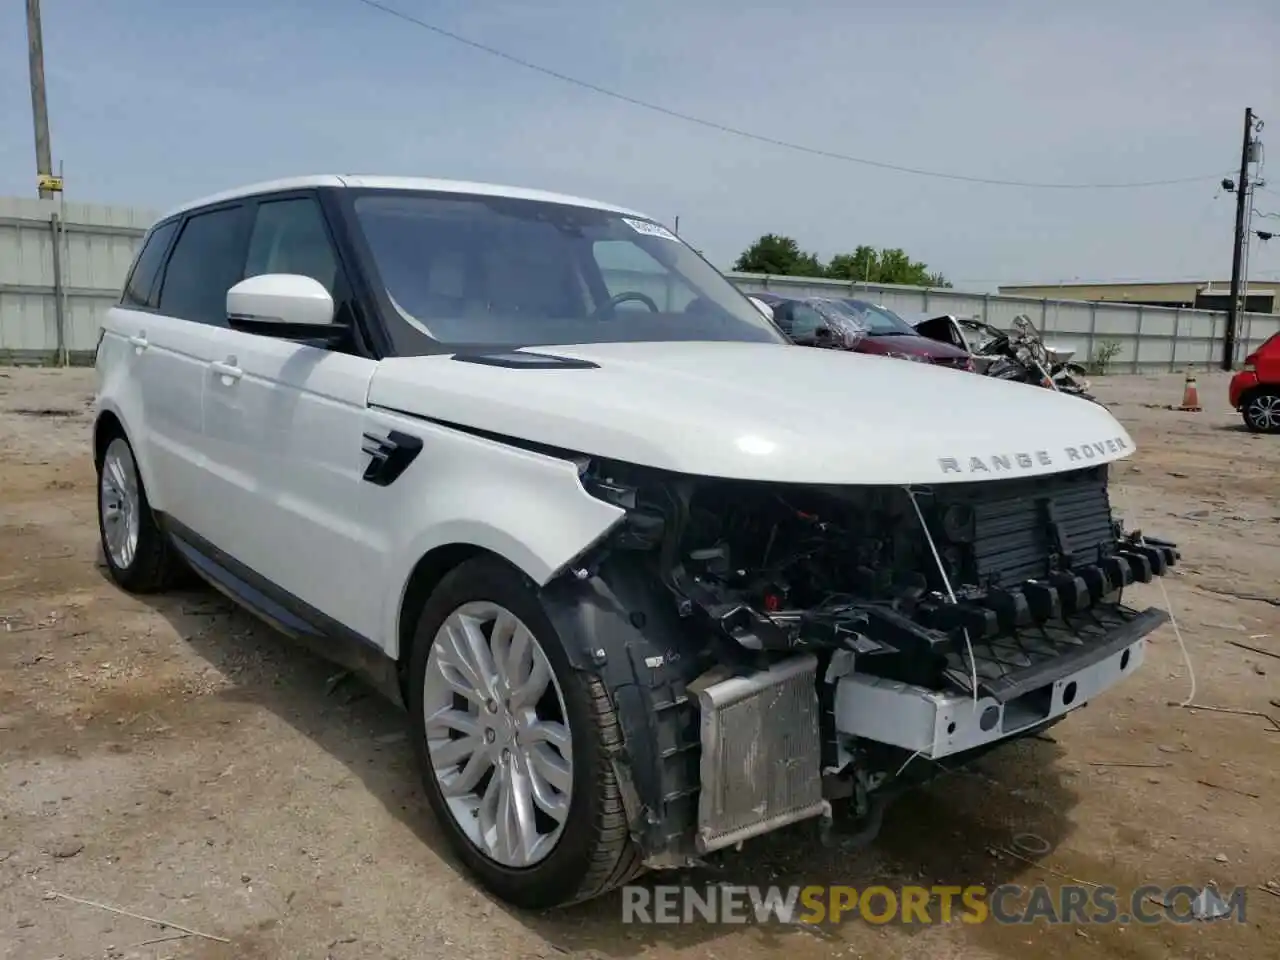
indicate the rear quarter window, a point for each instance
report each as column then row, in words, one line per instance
column 139, row 289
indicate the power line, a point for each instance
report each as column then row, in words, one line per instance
column 762, row 138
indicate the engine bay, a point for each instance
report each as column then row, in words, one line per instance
column 938, row 586
column 776, row 647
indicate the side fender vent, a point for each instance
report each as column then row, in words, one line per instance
column 389, row 456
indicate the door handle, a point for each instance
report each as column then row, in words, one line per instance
column 227, row 369
column 139, row 340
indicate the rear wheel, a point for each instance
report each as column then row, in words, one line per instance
column 1261, row 412
column 514, row 744
column 138, row 553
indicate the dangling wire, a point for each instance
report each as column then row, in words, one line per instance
column 946, row 582
column 1177, row 632
column 1173, row 622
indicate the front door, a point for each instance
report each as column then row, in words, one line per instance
column 283, row 425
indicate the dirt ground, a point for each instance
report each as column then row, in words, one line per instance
column 173, row 758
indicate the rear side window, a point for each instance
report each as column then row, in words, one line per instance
column 206, row 262
column 139, row 291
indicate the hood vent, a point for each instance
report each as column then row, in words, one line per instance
column 518, row 360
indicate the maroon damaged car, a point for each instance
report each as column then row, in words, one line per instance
column 860, row 326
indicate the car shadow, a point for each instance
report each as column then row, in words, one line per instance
column 950, row 833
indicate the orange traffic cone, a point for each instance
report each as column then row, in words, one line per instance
column 1190, row 395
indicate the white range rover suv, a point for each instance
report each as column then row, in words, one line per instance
column 649, row 580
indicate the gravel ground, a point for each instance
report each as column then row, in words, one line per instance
column 173, row 758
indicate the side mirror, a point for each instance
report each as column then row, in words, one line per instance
column 763, row 307
column 281, row 304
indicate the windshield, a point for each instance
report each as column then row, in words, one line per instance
column 497, row 271
column 879, row 321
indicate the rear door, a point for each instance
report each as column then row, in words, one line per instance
column 284, row 423
column 180, row 341
column 124, row 361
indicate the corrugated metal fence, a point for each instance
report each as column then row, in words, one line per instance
column 62, row 266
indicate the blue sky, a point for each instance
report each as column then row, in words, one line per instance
column 154, row 102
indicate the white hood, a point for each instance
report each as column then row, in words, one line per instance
column 764, row 412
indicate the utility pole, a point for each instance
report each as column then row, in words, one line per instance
column 39, row 104
column 1237, row 248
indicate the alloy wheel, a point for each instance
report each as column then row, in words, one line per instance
column 497, row 734
column 1263, row 411
column 120, row 502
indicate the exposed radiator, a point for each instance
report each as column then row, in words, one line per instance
column 761, row 761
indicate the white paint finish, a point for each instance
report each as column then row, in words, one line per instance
column 119, row 391
column 151, row 370
column 284, row 488
column 281, row 298
column 525, row 507
column 399, row 183
column 944, row 724
column 256, row 189
column 764, row 412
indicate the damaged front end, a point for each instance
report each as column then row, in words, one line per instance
column 773, row 647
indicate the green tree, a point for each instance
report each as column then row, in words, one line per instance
column 889, row 265
column 859, row 265
column 778, row 256
column 781, row 256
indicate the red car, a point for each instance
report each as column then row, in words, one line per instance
column 860, row 326
column 1255, row 390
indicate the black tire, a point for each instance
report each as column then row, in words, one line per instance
column 595, row 852
column 1252, row 410
column 153, row 566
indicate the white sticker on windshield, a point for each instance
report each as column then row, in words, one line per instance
column 649, row 229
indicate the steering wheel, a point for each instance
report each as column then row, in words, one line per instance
column 996, row 346
column 623, row 297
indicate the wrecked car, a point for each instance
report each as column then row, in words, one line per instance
column 1020, row 354
column 859, row 326
column 650, row 580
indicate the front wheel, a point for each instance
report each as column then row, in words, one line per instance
column 1261, row 412
column 514, row 743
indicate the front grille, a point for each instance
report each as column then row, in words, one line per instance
column 761, row 753
column 1024, row 529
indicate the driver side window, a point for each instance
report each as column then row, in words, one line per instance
column 627, row 268
column 289, row 236
column 798, row 321
column 806, row 321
